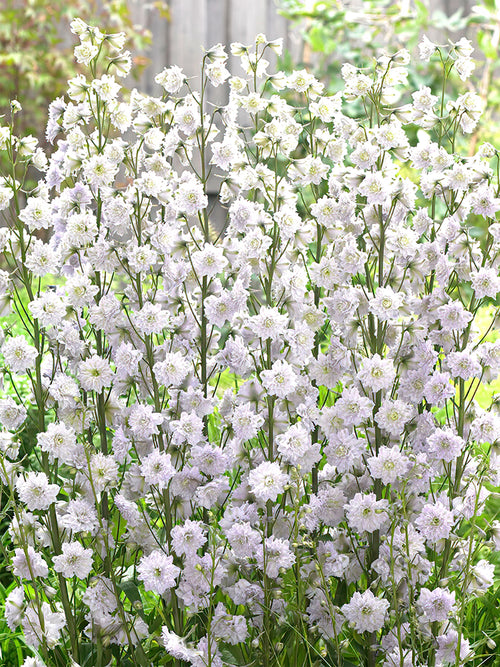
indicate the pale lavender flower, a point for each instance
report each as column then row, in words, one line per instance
column 435, row 522
column 365, row 513
column 437, row 605
column 366, row 612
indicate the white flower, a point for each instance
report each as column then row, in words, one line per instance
column 393, row 416
column 171, row 79
column 365, row 513
column 486, row 282
column 447, row 651
column 438, row 389
column 244, row 540
column 157, row 469
column 14, row 607
column 29, row 565
column 19, row 355
column 187, row 117
column 188, row 538
column 217, row 73
column 269, row 323
column 74, row 561
column 99, row 171
column 435, row 522
column 377, row 373
column 189, row 428
column 80, row 517
column 36, row 492
column 12, row 415
column 344, row 449
column 464, row 67
column 151, row 318
column 143, row 422
column 464, row 47
column 386, row 304
column 296, row 447
column 353, row 408
column 86, row 52
column 375, row 188
column 437, row 604
column 106, row 87
column 388, row 465
column 426, row 48
column 53, row 623
column 274, row 555
column 37, row 214
column 158, row 572
column 482, row 577
column 95, row 374
column 464, row 365
column 303, row 81
column 229, row 628
column 190, row 198
column 209, row 261
column 267, row 481
column 33, row 662
column 444, row 444
column 281, row 380
column 176, row 647
column 366, row 612
column 6, row 195
column 59, row 441
column 327, row 507
column 81, row 229
column 49, row 309
column 103, row 472
column 245, row 422
column 454, row 316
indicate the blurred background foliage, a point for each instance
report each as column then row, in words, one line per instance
column 36, row 50
column 336, row 32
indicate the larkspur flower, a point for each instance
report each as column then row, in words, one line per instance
column 299, row 384
column 435, row 522
column 267, row 481
column 95, row 374
column 19, row 355
column 74, row 561
column 158, row 572
column 366, row 612
column 36, row 492
column 437, row 605
column 365, row 513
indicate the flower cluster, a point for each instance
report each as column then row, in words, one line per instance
column 283, row 423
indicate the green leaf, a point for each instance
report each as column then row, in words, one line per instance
column 485, row 44
column 132, row 593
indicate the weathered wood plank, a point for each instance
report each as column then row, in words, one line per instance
column 187, row 34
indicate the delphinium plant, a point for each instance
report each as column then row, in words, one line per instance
column 261, row 445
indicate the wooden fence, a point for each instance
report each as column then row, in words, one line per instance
column 195, row 24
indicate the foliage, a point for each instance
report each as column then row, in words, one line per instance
column 36, row 57
column 335, row 33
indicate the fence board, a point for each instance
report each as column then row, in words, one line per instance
column 187, row 34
